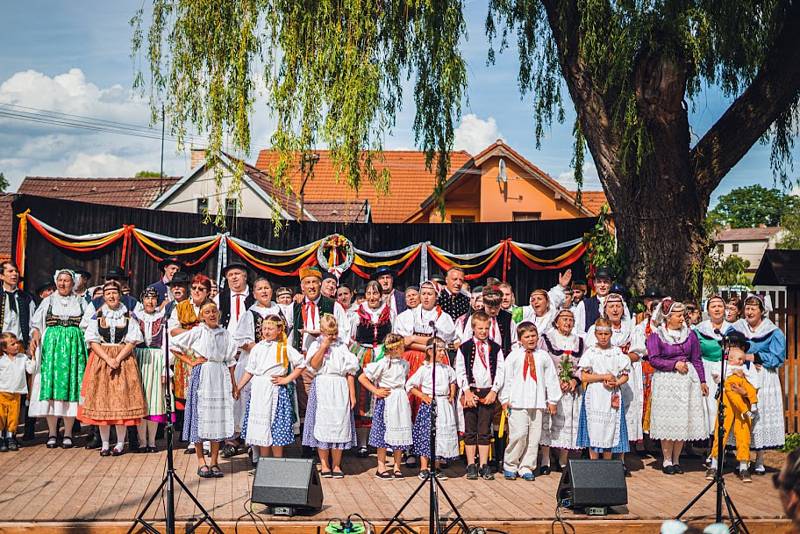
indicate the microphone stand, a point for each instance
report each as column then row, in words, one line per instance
column 718, row 482
column 435, row 524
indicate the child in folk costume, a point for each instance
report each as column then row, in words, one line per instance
column 210, row 352
column 391, row 421
column 565, row 349
column 150, row 357
column 530, row 388
column 370, row 324
column 329, row 423
column 420, row 384
column 741, row 406
column 112, row 390
column 14, row 368
column 479, row 372
column 269, row 414
column 604, row 369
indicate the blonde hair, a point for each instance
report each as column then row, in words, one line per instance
column 393, row 343
column 328, row 325
column 277, row 320
column 434, row 345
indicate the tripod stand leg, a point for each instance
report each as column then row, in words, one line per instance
column 396, row 517
column 459, row 520
column 140, row 518
column 206, row 516
column 696, row 498
column 737, row 523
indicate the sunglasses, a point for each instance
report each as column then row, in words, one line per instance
column 199, row 288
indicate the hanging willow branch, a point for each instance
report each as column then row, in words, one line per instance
column 332, row 72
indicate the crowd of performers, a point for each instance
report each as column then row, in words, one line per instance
column 517, row 388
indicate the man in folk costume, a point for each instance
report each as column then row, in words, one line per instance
column 452, row 300
column 234, row 301
column 501, row 329
column 578, row 294
column 16, row 316
column 169, row 267
column 591, row 307
column 385, row 276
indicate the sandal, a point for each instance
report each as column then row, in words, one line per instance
column 398, row 474
column 52, row 442
column 216, row 472
column 337, row 474
column 386, row 475
column 326, row 474
column 204, row 472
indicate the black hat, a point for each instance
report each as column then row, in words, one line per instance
column 359, row 292
column 651, row 292
column 327, row 275
column 603, row 272
column 380, row 271
column 115, row 273
column 179, row 279
column 618, row 288
column 44, row 287
column 235, row 265
column 172, row 260
column 83, row 272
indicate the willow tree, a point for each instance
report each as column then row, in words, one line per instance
column 333, row 72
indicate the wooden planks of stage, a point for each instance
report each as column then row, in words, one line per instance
column 55, row 490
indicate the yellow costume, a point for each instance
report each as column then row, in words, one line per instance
column 737, row 407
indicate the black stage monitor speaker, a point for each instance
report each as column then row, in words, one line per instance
column 287, row 484
column 593, row 483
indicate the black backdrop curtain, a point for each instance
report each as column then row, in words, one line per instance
column 43, row 258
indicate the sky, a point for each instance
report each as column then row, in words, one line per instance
column 74, row 57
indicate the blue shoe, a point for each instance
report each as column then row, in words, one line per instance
column 530, row 477
column 509, row 475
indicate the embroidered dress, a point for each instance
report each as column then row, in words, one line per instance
column 677, row 405
column 639, row 345
column 61, row 364
column 446, row 425
column 561, row 430
column 150, row 357
column 768, row 344
column 248, row 330
column 391, row 423
column 603, row 426
column 711, row 352
column 329, row 422
column 269, row 412
column 112, row 396
column 209, row 405
column 369, row 329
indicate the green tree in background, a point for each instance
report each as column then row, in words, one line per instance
column 751, row 206
column 3, row 182
column 333, row 73
column 791, row 226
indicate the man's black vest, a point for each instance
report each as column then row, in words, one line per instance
column 591, row 306
column 24, row 301
column 325, row 305
column 504, row 324
column 468, row 351
column 225, row 305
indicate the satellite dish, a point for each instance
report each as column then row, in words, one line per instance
column 501, row 175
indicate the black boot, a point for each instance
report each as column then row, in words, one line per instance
column 94, row 438
column 30, row 429
column 3, row 445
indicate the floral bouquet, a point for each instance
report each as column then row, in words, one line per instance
column 565, row 368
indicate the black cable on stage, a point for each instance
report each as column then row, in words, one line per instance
column 566, row 526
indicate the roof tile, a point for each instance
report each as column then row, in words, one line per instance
column 121, row 191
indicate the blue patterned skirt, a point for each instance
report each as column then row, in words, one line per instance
column 378, row 430
column 583, row 430
column 311, row 416
column 191, row 416
column 422, row 433
column 282, row 433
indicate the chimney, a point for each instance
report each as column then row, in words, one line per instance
column 198, row 157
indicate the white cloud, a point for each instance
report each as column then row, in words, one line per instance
column 99, row 165
column 474, row 134
column 591, row 180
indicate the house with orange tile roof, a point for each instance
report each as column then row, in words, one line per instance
column 477, row 190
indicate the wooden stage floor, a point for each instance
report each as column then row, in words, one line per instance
column 57, row 490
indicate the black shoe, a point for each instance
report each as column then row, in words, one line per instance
column 626, row 471
column 544, row 470
column 486, row 472
column 668, row 469
column 228, row 451
column 52, row 442
column 152, row 449
column 66, row 443
column 472, row 472
column 12, row 444
column 678, row 469
column 105, row 452
column 3, row 445
column 744, row 476
column 94, row 442
column 363, row 452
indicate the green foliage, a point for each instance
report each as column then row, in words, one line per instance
column 718, row 271
column 3, row 182
column 147, row 174
column 792, row 442
column 748, row 207
column 791, row 225
column 602, row 249
column 332, row 72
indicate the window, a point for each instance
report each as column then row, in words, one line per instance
column 721, row 248
column 735, row 247
column 202, row 206
column 527, row 216
column 462, row 218
column 230, row 207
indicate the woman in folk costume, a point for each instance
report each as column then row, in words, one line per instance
column 210, row 351
column 329, row 423
column 767, row 351
column 371, row 323
column 56, row 388
column 544, row 305
column 632, row 389
column 677, row 412
column 604, row 370
column 639, row 335
column 391, row 422
column 709, row 334
column 112, row 390
column 417, row 325
column 566, row 349
column 247, row 335
column 150, row 357
column 269, row 414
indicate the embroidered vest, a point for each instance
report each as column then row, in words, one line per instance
column 504, row 324
column 369, row 333
column 325, row 305
column 468, row 351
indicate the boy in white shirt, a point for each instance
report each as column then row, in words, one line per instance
column 13, row 384
column 530, row 386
